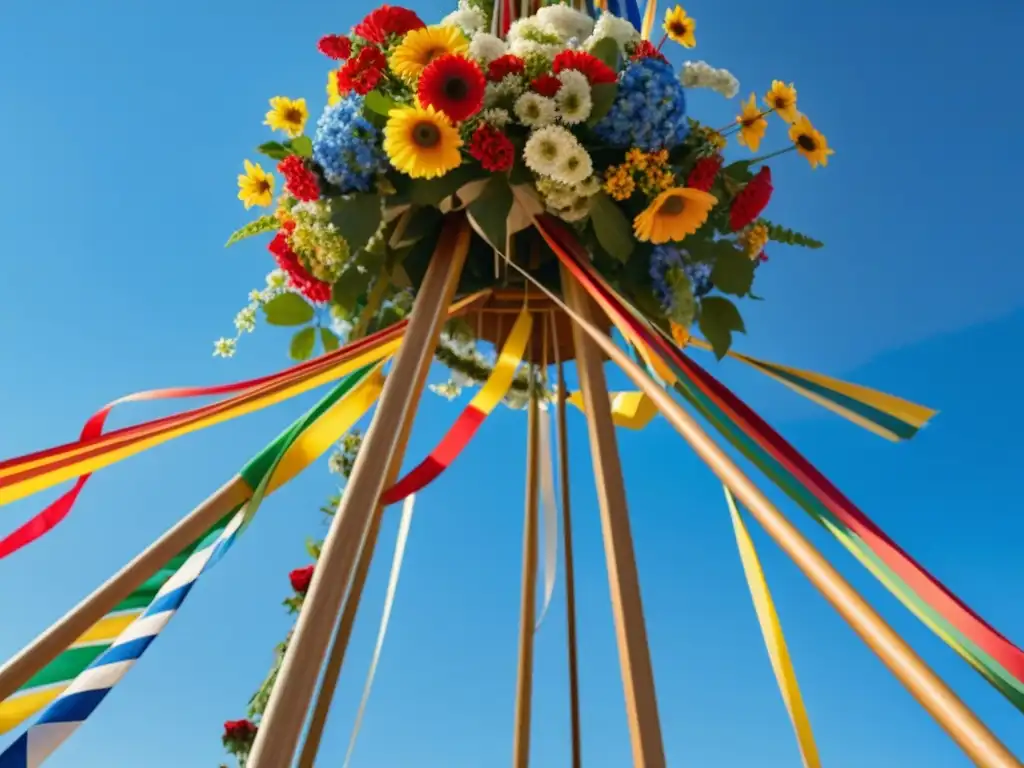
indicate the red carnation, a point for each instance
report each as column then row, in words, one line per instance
column 492, row 148
column 645, row 50
column 454, row 85
column 300, row 579
column 385, row 21
column 597, row 71
column 239, row 732
column 335, row 46
column 362, row 73
column 505, row 65
column 546, row 85
column 298, row 179
column 704, row 173
column 298, row 278
column 751, row 200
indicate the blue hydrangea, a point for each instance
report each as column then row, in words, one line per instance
column 347, row 146
column 664, row 259
column 649, row 111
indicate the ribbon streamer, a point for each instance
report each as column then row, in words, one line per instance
column 650, row 13
column 775, row 642
column 631, row 410
column 389, row 602
column 549, row 511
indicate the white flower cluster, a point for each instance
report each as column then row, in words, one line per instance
column 619, row 30
column 700, row 74
column 469, row 19
column 569, row 203
column 245, row 320
column 553, row 151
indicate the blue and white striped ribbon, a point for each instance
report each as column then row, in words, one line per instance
column 63, row 717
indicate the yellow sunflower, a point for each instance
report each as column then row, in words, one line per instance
column 421, row 46
column 255, row 186
column 810, row 143
column 680, row 27
column 288, row 115
column 782, row 98
column 421, row 142
column 673, row 215
column 333, row 94
column 752, row 124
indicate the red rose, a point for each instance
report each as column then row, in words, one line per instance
column 239, row 731
column 385, row 21
column 492, row 148
column 298, row 179
column 362, row 73
column 546, row 85
column 646, row 50
column 298, row 278
column 704, row 173
column 597, row 71
column 335, row 46
column 301, row 578
column 751, row 200
column 505, row 65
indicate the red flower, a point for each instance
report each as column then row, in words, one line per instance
column 751, row 200
column 300, row 579
column 298, row 278
column 505, row 65
column 704, row 172
column 454, row 85
column 492, row 148
column 385, row 21
column 243, row 731
column 335, row 46
column 298, row 179
column 646, row 50
column 546, row 85
column 597, row 71
column 362, row 73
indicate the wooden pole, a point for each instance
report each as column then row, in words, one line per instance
column 45, row 648
column 977, row 741
column 282, row 722
column 623, row 580
column 528, row 605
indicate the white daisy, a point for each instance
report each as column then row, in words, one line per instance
column 277, row 279
column 573, row 98
column 546, row 148
column 245, row 320
column 224, row 347
column 619, row 30
column 498, row 118
column 469, row 19
column 485, row 48
column 574, row 166
column 565, row 21
column 576, row 212
column 503, row 92
column 589, row 187
column 535, row 110
column 523, row 48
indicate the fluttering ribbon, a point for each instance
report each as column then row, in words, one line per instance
column 774, row 640
column 548, row 510
column 76, row 681
column 989, row 652
column 469, row 421
column 650, row 13
column 631, row 410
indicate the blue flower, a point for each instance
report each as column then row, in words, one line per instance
column 649, row 111
column 665, row 259
column 347, row 146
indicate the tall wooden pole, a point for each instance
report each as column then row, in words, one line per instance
column 977, row 741
column 528, row 606
column 623, row 580
column 289, row 702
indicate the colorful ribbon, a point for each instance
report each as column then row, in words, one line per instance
column 650, row 13
column 775, row 642
column 630, row 410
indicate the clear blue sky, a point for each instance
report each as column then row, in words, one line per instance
column 126, row 125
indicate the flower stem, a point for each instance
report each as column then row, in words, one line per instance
column 769, row 156
column 663, row 39
column 736, row 125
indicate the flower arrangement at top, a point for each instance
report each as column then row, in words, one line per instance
column 583, row 118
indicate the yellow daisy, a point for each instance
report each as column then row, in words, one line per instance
column 421, row 46
column 680, row 27
column 288, row 115
column 255, row 186
column 673, row 215
column 421, row 142
column 752, row 125
column 782, row 98
column 810, row 143
column 333, row 94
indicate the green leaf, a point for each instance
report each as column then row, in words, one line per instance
column 718, row 319
column 313, row 548
column 302, row 343
column 348, row 288
column 603, row 96
column 733, row 271
column 357, row 218
column 611, row 226
column 789, row 237
column 274, row 149
column 288, row 309
column 302, row 146
column 739, row 171
column 329, row 339
column 490, row 210
column 433, row 191
column 263, row 224
column 607, row 50
column 378, row 103
column 684, row 307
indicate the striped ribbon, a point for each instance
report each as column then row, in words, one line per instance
column 989, row 652
column 150, row 606
column 774, row 640
column 650, row 13
column 625, row 9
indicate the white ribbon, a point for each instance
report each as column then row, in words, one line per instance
column 549, row 509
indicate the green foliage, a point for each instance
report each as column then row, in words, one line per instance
column 263, row 224
column 302, row 343
column 313, row 548
column 302, row 146
column 348, row 288
column 274, row 150
column 611, row 227
column 288, row 309
column 490, row 210
column 379, row 104
column 357, row 218
column 719, row 318
column 733, row 270
column 684, row 307
column 738, row 172
column 607, row 50
column 603, row 96
column 329, row 339
column 433, row 191
column 260, row 699
column 789, row 237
